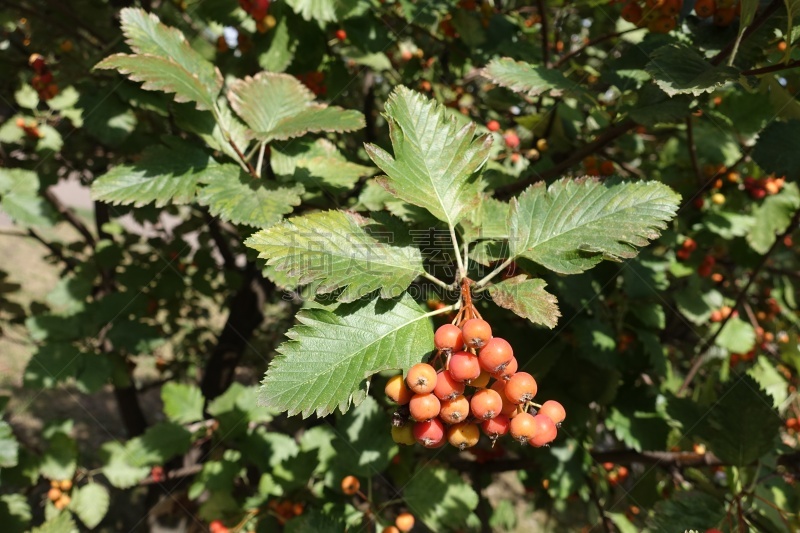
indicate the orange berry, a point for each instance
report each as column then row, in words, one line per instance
column 705, row 8
column 404, row 522
column 724, row 16
column 481, row 381
column 455, row 410
column 62, row 502
column 424, row 407
column 545, row 431
column 782, row 46
column 662, row 25
column 350, row 485
column 508, row 371
column 430, row 433
column 463, row 435
column 522, row 427
column 397, row 390
column 446, row 387
column 476, row 332
column 486, row 404
column 53, row 494
column 391, row 529
column 341, row 35
column 448, row 338
column 671, row 8
column 512, row 141
column 497, row 426
column 421, row 378
column 495, row 355
column 554, row 411
column 521, row 388
column 493, row 125
column 509, row 408
column 464, row 366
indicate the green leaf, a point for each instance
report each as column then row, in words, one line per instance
column 281, row 49
column 330, row 353
column 687, row 511
column 737, row 336
column 435, row 163
column 363, row 445
column 528, row 299
column 775, row 151
column 318, row 164
column 118, row 469
column 769, row 379
column 488, row 221
column 52, row 363
column 183, row 403
column 90, row 503
column 743, row 405
column 323, row 10
column 314, row 521
column 15, row 512
column 653, row 106
column 164, row 61
column 61, row 523
column 440, row 498
column 20, row 199
column 163, row 175
column 27, row 97
column 680, row 69
column 572, row 225
column 159, row 443
column 60, row 459
column 233, row 195
column 339, row 250
column 525, row 78
column 9, row 447
column 278, row 106
column 772, row 217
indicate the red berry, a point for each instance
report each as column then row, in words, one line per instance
column 493, row 125
column 447, row 388
column 554, row 411
column 421, row 378
column 497, row 426
column 341, row 35
column 495, row 355
column 521, row 388
column 476, row 332
column 511, row 139
column 424, row 407
column 36, row 61
column 545, row 431
column 448, row 338
column 216, row 526
column 455, row 410
column 486, row 404
column 522, row 427
column 464, row 366
column 429, row 433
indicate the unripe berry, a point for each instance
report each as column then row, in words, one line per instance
column 481, row 381
column 495, row 355
column 448, row 338
column 545, row 431
column 404, row 522
column 464, row 366
column 463, row 435
column 424, row 407
column 397, row 391
column 522, row 427
column 542, row 145
column 455, row 410
column 497, row 426
column 421, row 378
column 486, row 404
column 521, row 388
column 429, row 433
column 447, row 388
column 350, row 485
column 554, row 411
column 509, row 408
column 476, row 332
column 403, row 435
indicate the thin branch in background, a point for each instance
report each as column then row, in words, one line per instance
column 608, row 527
column 368, row 93
column 55, row 250
column 693, row 150
column 243, row 160
column 222, row 243
column 772, row 68
column 70, row 217
column 756, row 24
column 699, row 359
column 544, row 31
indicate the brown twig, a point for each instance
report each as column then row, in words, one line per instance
column 543, row 31
column 244, row 160
column 698, row 362
column 756, row 24
column 693, row 150
column 771, row 68
column 70, row 217
column 607, row 525
column 222, row 244
column 69, row 262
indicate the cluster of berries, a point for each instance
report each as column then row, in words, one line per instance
column 30, row 128
column 718, row 315
column 594, row 167
column 793, row 424
column 442, row 409
column 59, row 493
column 616, row 474
column 404, row 522
column 257, row 9
column 285, row 510
column 724, row 12
column 658, row 16
column 315, row 81
column 759, row 188
column 42, row 81
column 688, row 246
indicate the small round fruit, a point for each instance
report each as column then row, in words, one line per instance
column 464, row 366
column 476, row 332
column 607, row 168
column 65, row 484
column 541, row 145
column 447, row 388
column 448, row 338
column 350, row 485
column 554, row 411
column 724, row 16
column 62, row 502
column 391, row 529
column 632, row 13
column 508, row 371
column 53, row 494
column 403, row 435
column 495, row 355
column 496, row 427
column 429, row 433
column 522, row 427
column 718, row 198
column 424, row 407
column 486, row 404
column 397, row 390
column 509, row 408
column 493, row 125
column 421, row 378
column 662, row 25
column 521, row 388
column 404, row 522
column 511, row 139
column 545, row 431
column 341, row 35
column 481, row 381
column 463, row 435
column 455, row 410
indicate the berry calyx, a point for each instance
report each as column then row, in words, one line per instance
column 464, row 366
column 464, row 435
column 477, row 332
column 397, row 390
column 404, row 522
column 521, row 388
column 508, row 371
column 455, row 410
column 421, row 378
column 430, row 433
column 554, row 411
column 544, row 433
column 522, row 427
column 350, row 485
column 424, row 407
column 496, row 427
column 495, row 355
column 448, row 338
column 486, row 404
column 446, row 387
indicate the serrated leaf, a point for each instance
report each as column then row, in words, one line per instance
column 653, row 106
column 15, row 512
column 680, row 69
column 770, row 380
column 687, row 511
column 281, row 49
column 235, row 196
column 772, row 217
column 182, row 403
column 572, row 225
column 163, row 175
column 164, row 61
column 90, row 503
column 488, row 221
column 363, row 444
column 440, row 498
column 528, row 299
column 27, row 97
column 314, row 521
column 278, row 106
column 61, row 523
column 61, row 458
column 775, row 150
column 525, row 78
column 9, row 447
column 20, row 199
column 318, row 164
column 118, row 469
column 323, row 10
column 329, row 354
column 339, row 250
column 210, row 127
column 51, row 364
column 435, row 163
column 737, row 336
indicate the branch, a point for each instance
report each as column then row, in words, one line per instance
column 607, row 525
column 698, row 362
column 772, row 68
column 70, row 217
column 606, row 138
column 222, row 244
column 543, row 31
column 55, row 250
column 593, row 42
column 757, row 23
column 693, row 149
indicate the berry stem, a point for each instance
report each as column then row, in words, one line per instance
column 437, row 281
column 486, row 279
column 462, row 273
column 261, row 151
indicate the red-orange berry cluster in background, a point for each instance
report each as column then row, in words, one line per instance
column 42, row 80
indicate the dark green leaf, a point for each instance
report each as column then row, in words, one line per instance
column 439, row 498
column 680, row 69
